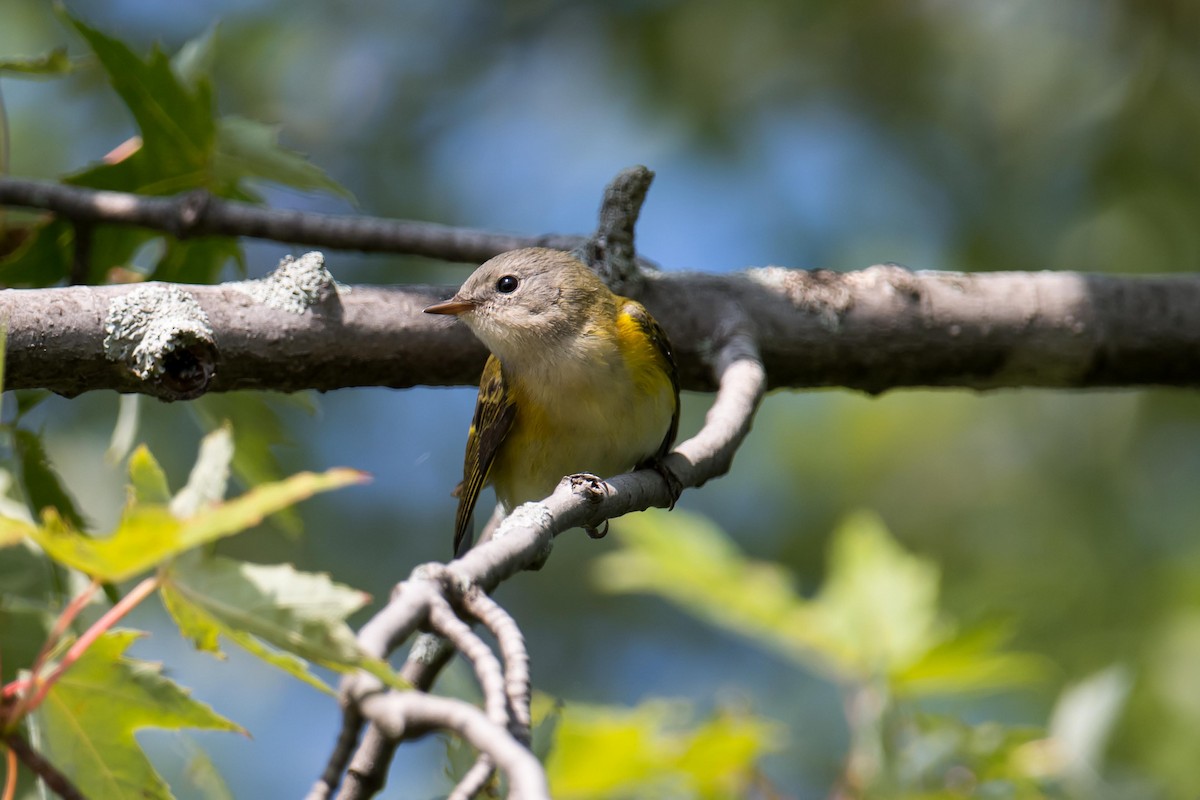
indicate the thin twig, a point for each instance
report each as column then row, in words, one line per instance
column 199, row 214
column 57, row 782
column 474, row 780
column 98, row 628
column 405, row 713
column 487, row 667
column 516, row 657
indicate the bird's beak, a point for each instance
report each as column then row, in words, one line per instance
column 454, row 306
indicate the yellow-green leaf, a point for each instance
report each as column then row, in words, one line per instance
column 875, row 617
column 14, row 530
column 655, row 749
column 147, row 481
column 89, row 717
column 263, row 607
column 148, row 535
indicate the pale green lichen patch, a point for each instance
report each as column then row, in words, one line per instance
column 296, row 285
column 145, row 325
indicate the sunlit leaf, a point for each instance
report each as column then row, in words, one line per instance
column 875, row 616
column 970, row 661
column 125, row 429
column 147, row 481
column 52, row 64
column 878, row 601
column 209, row 477
column 600, row 752
column 14, row 530
column 147, row 535
column 89, row 718
column 194, row 61
column 1084, row 718
column 257, row 429
column 303, row 614
column 654, row 750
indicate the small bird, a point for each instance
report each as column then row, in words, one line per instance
column 579, row 380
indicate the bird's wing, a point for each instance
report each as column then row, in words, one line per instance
column 494, row 414
column 662, row 346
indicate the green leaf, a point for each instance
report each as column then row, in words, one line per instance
column 603, row 752
column 878, row 601
column 201, row 773
column 200, row 260
column 302, row 614
column 209, row 477
column 876, row 616
column 14, row 530
column 176, row 121
column 655, row 750
column 688, row 560
column 249, row 149
column 42, row 258
column 257, row 428
column 23, row 629
column 52, row 64
column 90, row 715
column 42, row 484
column 125, row 429
column 970, row 661
column 194, row 61
column 147, row 481
column 147, row 535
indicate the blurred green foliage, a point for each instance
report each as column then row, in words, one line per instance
column 968, row 135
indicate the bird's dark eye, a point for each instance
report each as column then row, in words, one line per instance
column 507, row 284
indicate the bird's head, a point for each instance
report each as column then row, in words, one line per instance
column 523, row 300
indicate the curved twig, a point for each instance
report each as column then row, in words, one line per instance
column 400, row 714
column 516, row 658
column 523, row 537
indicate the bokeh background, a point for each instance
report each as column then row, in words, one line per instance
column 945, row 134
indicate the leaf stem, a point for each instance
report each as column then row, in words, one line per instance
column 11, row 714
column 110, row 618
column 57, row 782
column 10, row 774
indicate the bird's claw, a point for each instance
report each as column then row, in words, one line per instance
column 594, row 489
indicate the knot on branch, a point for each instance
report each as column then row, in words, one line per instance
column 610, row 251
column 294, row 286
column 191, row 208
column 162, row 335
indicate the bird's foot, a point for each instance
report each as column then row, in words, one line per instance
column 594, row 489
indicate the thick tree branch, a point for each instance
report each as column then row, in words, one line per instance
column 881, row 328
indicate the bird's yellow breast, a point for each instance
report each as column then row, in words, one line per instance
column 602, row 411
